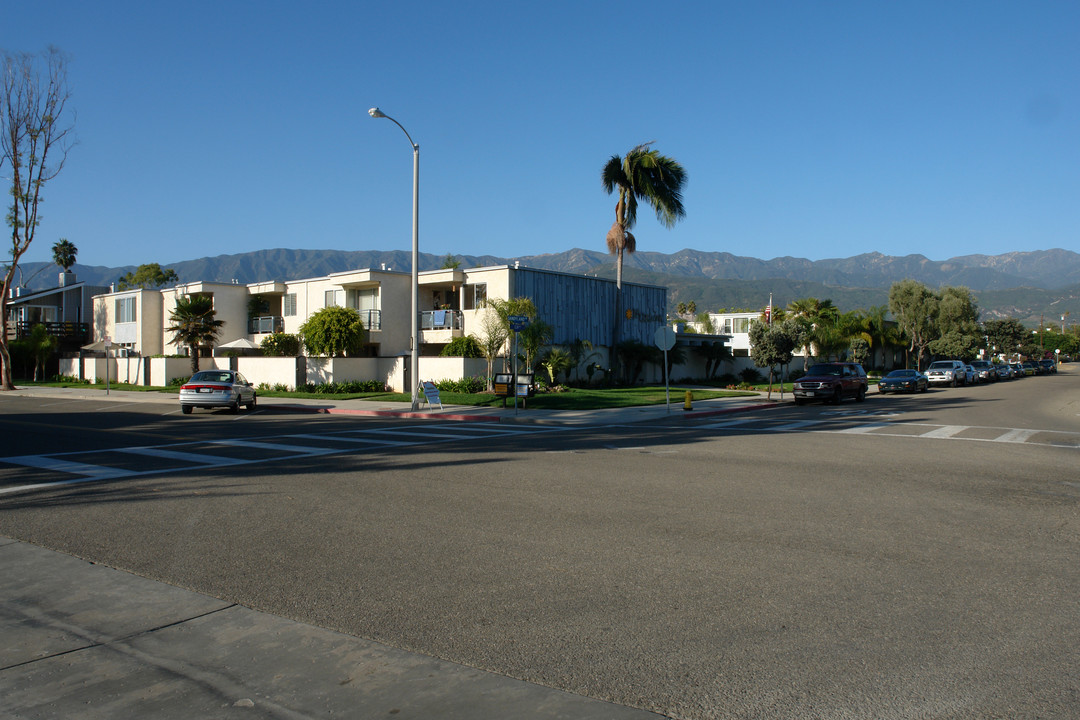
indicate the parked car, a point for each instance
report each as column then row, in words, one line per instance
column 1030, row 368
column 831, row 382
column 946, row 372
column 903, row 381
column 1048, row 366
column 970, row 376
column 986, row 370
column 217, row 389
column 1017, row 369
column 1003, row 372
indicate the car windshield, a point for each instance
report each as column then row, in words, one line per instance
column 211, row 376
column 826, row 370
column 941, row 366
column 901, row 373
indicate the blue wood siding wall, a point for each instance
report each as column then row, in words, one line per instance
column 581, row 307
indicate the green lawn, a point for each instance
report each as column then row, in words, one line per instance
column 571, row 399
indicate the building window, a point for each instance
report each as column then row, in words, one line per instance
column 475, row 295
column 742, row 325
column 288, row 305
column 333, row 298
column 125, row 310
column 365, row 299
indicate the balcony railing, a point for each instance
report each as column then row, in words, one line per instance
column 67, row 332
column 372, row 319
column 440, row 320
column 266, row 324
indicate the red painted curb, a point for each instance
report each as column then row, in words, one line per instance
column 386, row 413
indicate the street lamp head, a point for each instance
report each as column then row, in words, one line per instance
column 375, row 113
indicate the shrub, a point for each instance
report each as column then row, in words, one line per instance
column 346, row 386
column 69, row 379
column 281, row 345
column 178, row 381
column 465, row 385
column 751, row 376
column 466, row 347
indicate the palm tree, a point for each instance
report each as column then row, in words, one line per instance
column 884, row 334
column 42, row 345
column 819, row 316
column 503, row 309
column 714, row 353
column 557, row 361
column 643, row 174
column 64, row 253
column 194, row 323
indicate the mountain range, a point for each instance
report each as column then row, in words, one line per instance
column 1029, row 286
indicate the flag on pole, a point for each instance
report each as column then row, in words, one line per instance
column 768, row 311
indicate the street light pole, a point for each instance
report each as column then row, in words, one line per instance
column 414, row 337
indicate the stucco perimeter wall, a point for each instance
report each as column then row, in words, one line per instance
column 451, row 368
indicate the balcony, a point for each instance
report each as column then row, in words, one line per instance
column 372, row 319
column 70, row 334
column 440, row 326
column 266, row 324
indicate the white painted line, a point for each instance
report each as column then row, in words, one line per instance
column 75, row 468
column 298, row 449
column 795, row 425
column 176, row 455
column 727, row 423
column 1016, row 435
column 338, row 438
column 945, row 432
column 862, row 429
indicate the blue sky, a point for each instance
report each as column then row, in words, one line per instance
column 810, row 129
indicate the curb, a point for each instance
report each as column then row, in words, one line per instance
column 408, row 414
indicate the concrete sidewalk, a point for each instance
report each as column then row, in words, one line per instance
column 381, row 408
column 86, row 641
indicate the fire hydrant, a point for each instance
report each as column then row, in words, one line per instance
column 687, row 402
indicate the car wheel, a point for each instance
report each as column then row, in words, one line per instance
column 235, row 406
column 861, row 395
column 186, row 409
column 251, row 405
column 924, row 388
column 953, row 382
column 837, row 396
column 800, row 401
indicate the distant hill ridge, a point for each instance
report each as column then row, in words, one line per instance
column 1050, row 279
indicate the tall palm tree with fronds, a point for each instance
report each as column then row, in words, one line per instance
column 194, row 323
column 64, row 253
column 643, row 174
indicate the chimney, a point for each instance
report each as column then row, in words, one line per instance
column 67, row 278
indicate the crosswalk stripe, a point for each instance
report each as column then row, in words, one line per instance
column 1015, row 436
column 863, row 429
column 185, row 456
column 298, row 449
column 44, row 462
column 945, row 431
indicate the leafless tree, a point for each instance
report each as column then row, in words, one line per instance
column 36, row 133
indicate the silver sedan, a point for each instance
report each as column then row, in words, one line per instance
column 217, row 389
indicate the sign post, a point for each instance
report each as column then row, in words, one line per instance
column 108, row 344
column 517, row 323
column 665, row 340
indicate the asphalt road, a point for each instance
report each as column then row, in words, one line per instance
column 905, row 557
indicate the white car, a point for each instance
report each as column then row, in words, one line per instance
column 217, row 389
column 946, row 372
